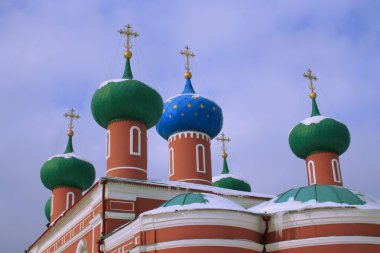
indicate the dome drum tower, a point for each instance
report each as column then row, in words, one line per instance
column 189, row 122
column 126, row 150
column 320, row 141
column 126, row 108
column 67, row 176
column 323, row 168
column 183, row 148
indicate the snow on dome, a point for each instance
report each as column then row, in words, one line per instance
column 221, row 176
column 195, row 201
column 313, row 120
column 68, row 156
column 295, row 203
column 112, row 81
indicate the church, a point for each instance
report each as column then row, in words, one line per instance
column 192, row 211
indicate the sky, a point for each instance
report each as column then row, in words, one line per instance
column 250, row 57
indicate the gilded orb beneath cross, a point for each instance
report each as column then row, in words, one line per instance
column 128, row 54
column 188, row 75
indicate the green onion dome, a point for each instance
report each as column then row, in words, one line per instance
column 230, row 181
column 318, row 134
column 126, row 99
column 48, row 209
column 67, row 170
column 316, row 196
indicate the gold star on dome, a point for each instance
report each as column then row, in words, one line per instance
column 188, row 105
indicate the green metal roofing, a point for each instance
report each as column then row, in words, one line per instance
column 229, row 181
column 48, row 209
column 321, row 193
column 326, row 135
column 126, row 100
column 67, row 170
column 186, row 199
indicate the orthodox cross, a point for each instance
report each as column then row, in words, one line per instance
column 187, row 54
column 223, row 139
column 128, row 32
column 72, row 116
column 309, row 75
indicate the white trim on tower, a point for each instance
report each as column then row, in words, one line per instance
column 200, row 153
column 311, row 172
column 171, row 162
column 132, row 141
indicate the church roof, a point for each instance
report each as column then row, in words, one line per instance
column 316, row 196
column 195, row 201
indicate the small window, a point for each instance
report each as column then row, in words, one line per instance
column 311, row 172
column 82, row 247
column 135, row 141
column 171, row 161
column 336, row 171
column 70, row 199
column 108, row 144
column 200, row 153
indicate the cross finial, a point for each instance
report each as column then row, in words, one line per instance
column 223, row 139
column 72, row 116
column 128, row 32
column 309, row 75
column 187, row 54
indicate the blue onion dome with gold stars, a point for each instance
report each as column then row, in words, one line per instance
column 189, row 111
column 126, row 98
column 68, row 169
column 318, row 133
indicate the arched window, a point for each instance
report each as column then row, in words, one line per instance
column 108, row 144
column 82, row 247
column 200, row 154
column 336, row 171
column 171, row 161
column 135, row 141
column 311, row 172
column 70, row 199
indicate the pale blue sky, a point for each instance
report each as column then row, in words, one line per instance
column 250, row 59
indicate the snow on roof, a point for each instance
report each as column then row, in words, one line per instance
column 112, row 81
column 217, row 178
column 271, row 206
column 313, row 120
column 212, row 202
column 209, row 188
column 68, row 156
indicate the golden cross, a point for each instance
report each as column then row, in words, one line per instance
column 187, row 54
column 310, row 76
column 72, row 116
column 128, row 33
column 223, row 139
